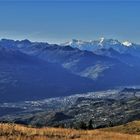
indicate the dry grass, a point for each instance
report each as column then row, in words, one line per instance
column 18, row 132
column 129, row 128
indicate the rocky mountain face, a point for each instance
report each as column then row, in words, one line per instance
column 45, row 70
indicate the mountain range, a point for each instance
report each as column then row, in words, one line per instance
column 36, row 70
column 102, row 43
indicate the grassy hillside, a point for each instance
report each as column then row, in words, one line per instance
column 18, row 132
column 129, row 128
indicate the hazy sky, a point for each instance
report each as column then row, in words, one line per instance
column 58, row 21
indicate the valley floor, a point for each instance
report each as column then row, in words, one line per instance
column 130, row 131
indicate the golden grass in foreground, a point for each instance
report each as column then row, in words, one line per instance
column 129, row 128
column 18, row 132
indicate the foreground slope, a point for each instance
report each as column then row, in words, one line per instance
column 17, row 132
column 129, row 128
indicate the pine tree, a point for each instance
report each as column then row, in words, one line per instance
column 83, row 125
column 90, row 125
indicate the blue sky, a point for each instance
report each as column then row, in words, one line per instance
column 59, row 21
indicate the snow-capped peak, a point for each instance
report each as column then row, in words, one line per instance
column 104, row 42
column 127, row 43
column 102, row 39
column 75, row 43
column 101, row 43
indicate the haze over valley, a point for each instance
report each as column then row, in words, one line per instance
column 69, row 70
